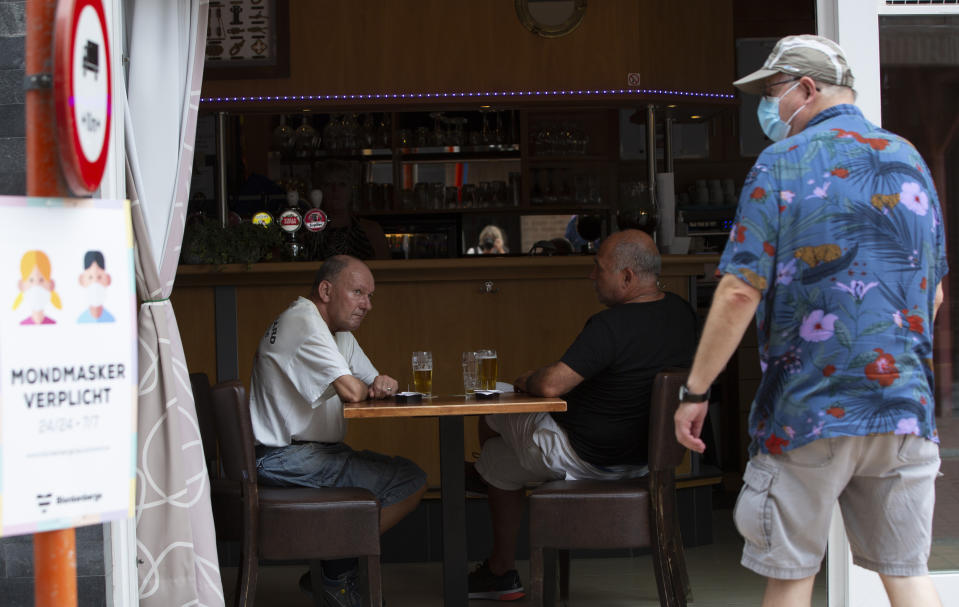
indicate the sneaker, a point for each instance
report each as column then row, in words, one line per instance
column 483, row 584
column 475, row 483
column 340, row 592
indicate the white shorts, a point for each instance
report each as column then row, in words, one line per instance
column 533, row 448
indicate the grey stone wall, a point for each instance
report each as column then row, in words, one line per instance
column 16, row 569
column 12, row 143
column 16, row 553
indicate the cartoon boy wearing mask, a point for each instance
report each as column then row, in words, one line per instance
column 94, row 279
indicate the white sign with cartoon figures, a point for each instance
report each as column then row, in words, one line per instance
column 68, row 363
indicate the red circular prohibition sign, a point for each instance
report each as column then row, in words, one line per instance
column 82, row 81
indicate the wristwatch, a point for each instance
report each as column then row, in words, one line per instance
column 685, row 396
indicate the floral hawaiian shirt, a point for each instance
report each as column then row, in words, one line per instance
column 840, row 229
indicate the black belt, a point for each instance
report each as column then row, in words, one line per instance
column 262, row 450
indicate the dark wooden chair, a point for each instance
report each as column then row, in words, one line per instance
column 202, row 398
column 285, row 523
column 633, row 513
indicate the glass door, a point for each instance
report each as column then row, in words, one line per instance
column 906, row 61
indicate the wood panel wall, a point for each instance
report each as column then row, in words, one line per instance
column 385, row 46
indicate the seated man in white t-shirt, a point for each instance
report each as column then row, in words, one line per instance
column 307, row 365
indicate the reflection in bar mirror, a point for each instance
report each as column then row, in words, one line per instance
column 550, row 18
column 559, row 230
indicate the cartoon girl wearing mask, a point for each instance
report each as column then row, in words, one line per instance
column 36, row 288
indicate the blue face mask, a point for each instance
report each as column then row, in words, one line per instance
column 769, row 120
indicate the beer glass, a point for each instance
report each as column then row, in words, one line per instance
column 487, row 369
column 423, row 372
column 470, row 372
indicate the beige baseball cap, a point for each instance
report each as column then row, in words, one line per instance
column 819, row 58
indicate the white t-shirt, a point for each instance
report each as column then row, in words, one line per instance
column 291, row 388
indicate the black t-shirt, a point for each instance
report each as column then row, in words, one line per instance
column 618, row 353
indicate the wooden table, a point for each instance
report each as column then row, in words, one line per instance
column 450, row 410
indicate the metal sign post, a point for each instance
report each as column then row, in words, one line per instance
column 54, row 552
column 74, row 98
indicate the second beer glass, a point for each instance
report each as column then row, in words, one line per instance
column 423, row 372
column 487, row 369
column 470, row 372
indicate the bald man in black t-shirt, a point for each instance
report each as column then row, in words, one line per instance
column 606, row 377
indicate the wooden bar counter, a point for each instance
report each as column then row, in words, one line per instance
column 528, row 308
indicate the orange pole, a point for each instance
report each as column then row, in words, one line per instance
column 55, row 568
column 54, row 552
column 43, row 174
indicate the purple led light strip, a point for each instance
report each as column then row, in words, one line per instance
column 466, row 95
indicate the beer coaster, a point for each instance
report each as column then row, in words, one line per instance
column 408, row 397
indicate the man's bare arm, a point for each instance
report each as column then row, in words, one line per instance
column 938, row 302
column 350, row 389
column 733, row 307
column 552, row 380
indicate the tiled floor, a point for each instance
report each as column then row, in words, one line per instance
column 716, row 578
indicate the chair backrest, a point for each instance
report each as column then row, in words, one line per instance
column 202, row 399
column 665, row 452
column 235, row 431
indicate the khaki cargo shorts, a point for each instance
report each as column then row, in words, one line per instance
column 885, row 486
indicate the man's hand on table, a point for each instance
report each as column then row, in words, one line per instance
column 689, row 420
column 383, row 386
column 520, row 384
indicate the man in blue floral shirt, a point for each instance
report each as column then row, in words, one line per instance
column 838, row 249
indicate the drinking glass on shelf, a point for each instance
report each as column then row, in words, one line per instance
column 499, row 134
column 281, row 135
column 487, row 368
column 421, row 195
column 423, row 372
column 438, row 135
column 437, row 195
column 469, row 195
column 421, row 136
column 383, row 131
column 498, row 193
column 305, row 138
column 452, row 197
column 470, row 372
column 458, row 131
column 487, row 135
column 349, row 131
column 483, row 194
column 544, row 139
column 407, row 200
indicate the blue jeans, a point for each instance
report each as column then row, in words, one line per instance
column 390, row 479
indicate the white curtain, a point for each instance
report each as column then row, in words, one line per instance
column 176, row 543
